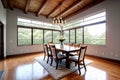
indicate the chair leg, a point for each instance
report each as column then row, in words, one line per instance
column 57, row 64
column 44, row 57
column 84, row 66
column 75, row 64
column 47, row 59
column 60, row 61
column 79, row 69
column 51, row 61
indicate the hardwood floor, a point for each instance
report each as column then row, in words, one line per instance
column 26, row 68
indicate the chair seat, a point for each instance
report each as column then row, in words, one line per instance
column 73, row 53
column 60, row 56
column 73, row 58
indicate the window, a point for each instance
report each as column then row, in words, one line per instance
column 56, row 34
column 47, row 36
column 88, row 30
column 72, row 36
column 32, row 36
column 30, row 32
column 24, row 36
column 66, row 35
column 34, row 23
column 79, row 35
column 37, row 36
column 95, row 34
column 94, row 30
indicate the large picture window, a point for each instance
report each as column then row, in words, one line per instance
column 32, row 36
column 24, row 36
column 72, row 36
column 56, row 35
column 47, row 36
column 87, row 30
column 95, row 34
column 79, row 35
column 37, row 36
column 66, row 35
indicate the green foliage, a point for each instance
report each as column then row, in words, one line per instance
column 94, row 39
column 37, row 36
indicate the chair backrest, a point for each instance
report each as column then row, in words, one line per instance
column 70, row 44
column 82, row 53
column 46, row 49
column 50, row 43
column 76, row 45
column 53, row 51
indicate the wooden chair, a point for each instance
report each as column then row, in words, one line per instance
column 79, row 59
column 47, row 53
column 50, row 43
column 76, row 46
column 70, row 44
column 56, row 56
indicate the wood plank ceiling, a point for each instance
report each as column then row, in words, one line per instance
column 51, row 8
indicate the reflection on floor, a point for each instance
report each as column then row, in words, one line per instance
column 30, row 71
column 26, row 68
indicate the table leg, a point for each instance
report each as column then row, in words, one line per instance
column 67, row 60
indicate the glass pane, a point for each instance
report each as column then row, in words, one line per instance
column 66, row 35
column 37, row 36
column 95, row 34
column 24, row 36
column 95, row 16
column 94, row 21
column 56, row 34
column 24, row 20
column 72, row 36
column 34, row 23
column 47, row 36
column 79, row 35
column 37, row 22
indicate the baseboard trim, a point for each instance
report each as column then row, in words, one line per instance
column 23, row 54
column 108, row 59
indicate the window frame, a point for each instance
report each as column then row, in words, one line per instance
column 18, row 26
column 18, row 37
column 86, row 25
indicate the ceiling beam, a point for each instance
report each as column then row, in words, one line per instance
column 42, row 7
column 27, row 6
column 95, row 2
column 69, row 8
column 5, row 3
column 10, row 4
column 57, row 7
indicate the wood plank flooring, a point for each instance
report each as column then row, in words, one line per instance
column 26, row 68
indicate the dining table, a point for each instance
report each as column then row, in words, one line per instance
column 66, row 49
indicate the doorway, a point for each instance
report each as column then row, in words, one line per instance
column 1, row 41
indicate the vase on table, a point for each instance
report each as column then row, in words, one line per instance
column 61, row 41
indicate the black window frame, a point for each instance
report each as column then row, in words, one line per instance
column 19, row 26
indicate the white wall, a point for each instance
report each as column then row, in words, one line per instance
column 112, row 48
column 12, row 47
column 3, row 20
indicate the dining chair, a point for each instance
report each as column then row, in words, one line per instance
column 47, row 53
column 75, row 45
column 70, row 44
column 56, row 55
column 79, row 59
column 50, row 43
